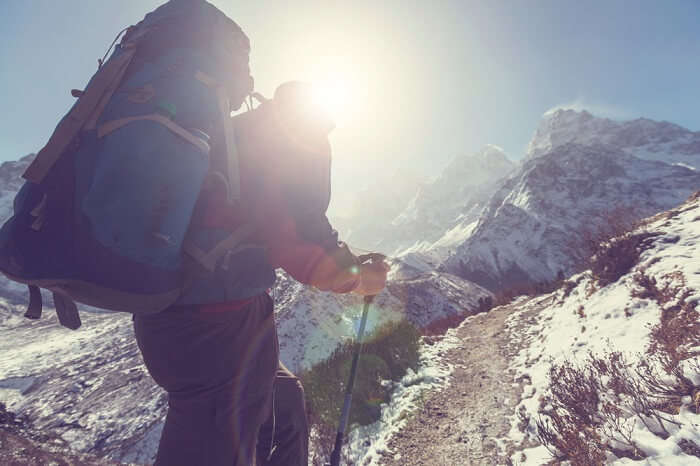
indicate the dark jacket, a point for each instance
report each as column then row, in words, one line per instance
column 285, row 192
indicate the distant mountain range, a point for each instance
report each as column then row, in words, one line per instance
column 500, row 223
column 578, row 171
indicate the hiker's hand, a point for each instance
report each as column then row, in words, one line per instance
column 372, row 278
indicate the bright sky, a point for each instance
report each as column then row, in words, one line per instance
column 419, row 82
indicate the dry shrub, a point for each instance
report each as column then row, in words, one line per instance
column 677, row 336
column 530, row 289
column 616, row 257
column 591, row 408
column 567, row 287
column 569, row 416
column 611, row 245
column 440, row 326
column 599, row 230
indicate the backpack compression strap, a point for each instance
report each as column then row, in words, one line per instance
column 229, row 245
column 233, row 174
column 114, row 125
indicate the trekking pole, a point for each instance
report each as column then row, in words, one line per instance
column 345, row 414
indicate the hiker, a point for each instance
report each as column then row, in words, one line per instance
column 219, row 361
column 150, row 198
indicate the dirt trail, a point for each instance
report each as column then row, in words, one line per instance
column 459, row 425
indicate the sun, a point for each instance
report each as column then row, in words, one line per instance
column 334, row 95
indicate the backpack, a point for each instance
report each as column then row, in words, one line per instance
column 106, row 205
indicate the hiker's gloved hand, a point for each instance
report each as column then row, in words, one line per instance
column 372, row 278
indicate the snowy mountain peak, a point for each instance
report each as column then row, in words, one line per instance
column 453, row 200
column 566, row 114
column 642, row 137
column 483, row 166
column 492, row 150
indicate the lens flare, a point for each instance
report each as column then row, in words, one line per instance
column 333, row 97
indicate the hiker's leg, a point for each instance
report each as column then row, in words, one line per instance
column 288, row 432
column 218, row 369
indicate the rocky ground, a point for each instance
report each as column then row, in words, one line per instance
column 20, row 444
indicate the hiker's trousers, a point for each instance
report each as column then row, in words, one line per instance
column 230, row 400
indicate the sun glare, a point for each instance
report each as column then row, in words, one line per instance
column 335, row 89
column 332, row 97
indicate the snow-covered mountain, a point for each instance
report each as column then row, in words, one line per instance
column 10, row 182
column 454, row 200
column 564, row 190
column 367, row 222
column 643, row 138
column 431, row 216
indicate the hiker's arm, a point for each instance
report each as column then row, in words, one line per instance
column 303, row 241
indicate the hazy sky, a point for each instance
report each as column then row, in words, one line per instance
column 425, row 81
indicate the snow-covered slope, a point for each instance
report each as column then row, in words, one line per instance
column 565, row 189
column 643, row 138
column 585, row 318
